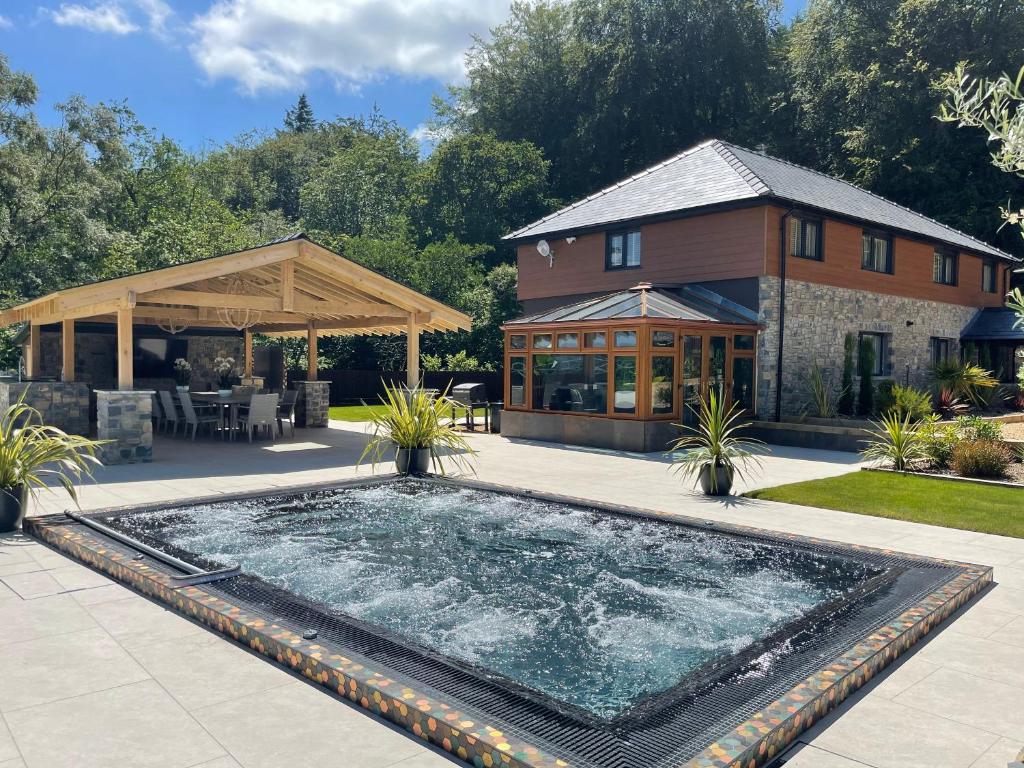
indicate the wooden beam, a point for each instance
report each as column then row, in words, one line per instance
column 125, row 372
column 248, row 351
column 67, row 337
column 287, row 286
column 355, row 324
column 34, row 352
column 311, row 340
column 412, row 355
column 299, row 304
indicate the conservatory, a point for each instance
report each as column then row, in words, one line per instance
column 618, row 370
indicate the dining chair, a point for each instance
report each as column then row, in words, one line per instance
column 196, row 416
column 286, row 410
column 171, row 417
column 262, row 412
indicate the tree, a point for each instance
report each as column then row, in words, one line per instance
column 607, row 87
column 477, row 188
column 299, row 119
column 863, row 84
column 846, row 405
column 865, row 369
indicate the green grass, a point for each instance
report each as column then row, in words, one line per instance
column 362, row 412
column 968, row 506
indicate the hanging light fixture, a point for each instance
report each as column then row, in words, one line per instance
column 234, row 317
column 172, row 326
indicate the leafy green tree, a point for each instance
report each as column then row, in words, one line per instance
column 864, row 82
column 476, row 189
column 865, row 370
column 300, row 119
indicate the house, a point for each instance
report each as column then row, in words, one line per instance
column 725, row 267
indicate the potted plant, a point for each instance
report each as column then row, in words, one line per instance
column 32, row 453
column 714, row 454
column 417, row 425
column 182, row 373
column 224, row 367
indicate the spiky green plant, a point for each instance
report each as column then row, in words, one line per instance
column 965, row 380
column 417, row 418
column 714, row 441
column 823, row 398
column 895, row 440
column 33, row 453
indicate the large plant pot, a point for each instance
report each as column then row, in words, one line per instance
column 12, row 508
column 412, row 461
column 723, row 480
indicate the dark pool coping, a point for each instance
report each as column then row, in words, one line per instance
column 754, row 743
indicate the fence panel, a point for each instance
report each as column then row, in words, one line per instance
column 350, row 387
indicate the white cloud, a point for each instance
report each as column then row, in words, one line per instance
column 105, row 17
column 157, row 15
column 276, row 44
column 5, row 23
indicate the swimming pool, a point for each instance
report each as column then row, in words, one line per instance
column 598, row 636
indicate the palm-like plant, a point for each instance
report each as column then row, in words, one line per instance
column 965, row 380
column 714, row 444
column 415, row 419
column 896, row 440
column 33, row 453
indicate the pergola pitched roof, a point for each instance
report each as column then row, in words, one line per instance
column 287, row 284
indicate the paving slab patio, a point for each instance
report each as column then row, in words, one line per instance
column 957, row 702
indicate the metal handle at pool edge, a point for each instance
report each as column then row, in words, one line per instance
column 193, row 573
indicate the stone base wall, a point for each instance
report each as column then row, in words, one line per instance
column 818, row 317
column 126, row 420
column 62, row 405
column 613, row 434
column 313, row 403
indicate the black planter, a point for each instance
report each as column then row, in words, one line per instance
column 723, row 478
column 12, row 508
column 412, row 461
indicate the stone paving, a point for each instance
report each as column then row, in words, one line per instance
column 92, row 674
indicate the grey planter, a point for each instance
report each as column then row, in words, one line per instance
column 12, row 508
column 412, row 461
column 723, row 486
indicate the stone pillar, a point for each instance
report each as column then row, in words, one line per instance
column 311, row 407
column 126, row 419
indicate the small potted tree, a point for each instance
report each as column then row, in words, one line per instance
column 224, row 367
column 31, row 453
column 182, row 374
column 416, row 425
column 714, row 454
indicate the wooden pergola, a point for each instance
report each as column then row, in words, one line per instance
column 288, row 287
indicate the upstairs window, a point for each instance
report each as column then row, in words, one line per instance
column 622, row 250
column 944, row 267
column 876, row 252
column 805, row 238
column 989, row 271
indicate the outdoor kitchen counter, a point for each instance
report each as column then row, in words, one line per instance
column 63, row 404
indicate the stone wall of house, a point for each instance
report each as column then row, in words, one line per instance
column 818, row 317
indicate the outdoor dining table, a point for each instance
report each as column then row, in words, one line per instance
column 231, row 402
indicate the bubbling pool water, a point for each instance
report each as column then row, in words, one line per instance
column 592, row 609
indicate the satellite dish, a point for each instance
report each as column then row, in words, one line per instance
column 544, row 249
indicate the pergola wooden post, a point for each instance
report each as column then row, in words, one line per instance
column 125, row 362
column 67, row 338
column 33, row 354
column 247, row 344
column 312, row 353
column 412, row 358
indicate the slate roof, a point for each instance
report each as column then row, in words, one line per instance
column 717, row 172
column 994, row 324
column 689, row 302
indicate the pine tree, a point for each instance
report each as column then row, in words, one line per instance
column 846, row 395
column 299, row 119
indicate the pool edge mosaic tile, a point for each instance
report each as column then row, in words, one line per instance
column 753, row 744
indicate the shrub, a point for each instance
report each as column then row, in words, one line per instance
column 907, row 401
column 846, row 401
column 823, row 401
column 865, row 367
column 980, row 458
column 964, row 380
column 948, row 404
column 977, row 428
column 895, row 440
column 884, row 398
column 937, row 440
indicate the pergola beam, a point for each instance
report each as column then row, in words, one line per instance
column 299, row 304
column 125, row 362
column 354, row 324
column 33, row 356
column 287, row 286
column 67, row 339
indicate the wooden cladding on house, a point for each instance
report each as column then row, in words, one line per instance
column 715, row 246
column 913, row 266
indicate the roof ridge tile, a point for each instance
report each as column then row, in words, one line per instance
column 724, row 149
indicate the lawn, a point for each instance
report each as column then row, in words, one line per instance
column 968, row 506
column 362, row 412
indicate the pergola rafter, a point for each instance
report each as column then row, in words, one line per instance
column 290, row 287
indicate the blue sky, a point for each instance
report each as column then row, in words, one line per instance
column 204, row 71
